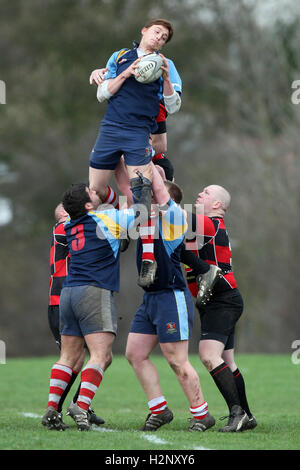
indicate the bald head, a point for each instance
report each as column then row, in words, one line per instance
column 222, row 195
column 214, row 199
column 60, row 214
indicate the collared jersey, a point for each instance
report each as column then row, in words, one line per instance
column 94, row 244
column 215, row 250
column 136, row 104
column 59, row 262
column 168, row 243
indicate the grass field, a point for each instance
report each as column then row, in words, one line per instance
column 272, row 389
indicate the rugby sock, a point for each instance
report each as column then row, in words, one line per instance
column 59, row 379
column 157, row 405
column 91, row 377
column 225, row 382
column 66, row 391
column 200, row 411
column 111, row 198
column 75, row 398
column 147, row 233
column 240, row 385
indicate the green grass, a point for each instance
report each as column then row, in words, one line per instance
column 272, row 390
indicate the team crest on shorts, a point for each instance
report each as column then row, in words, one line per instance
column 148, row 151
column 171, row 328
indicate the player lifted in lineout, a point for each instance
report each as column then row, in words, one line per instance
column 132, row 108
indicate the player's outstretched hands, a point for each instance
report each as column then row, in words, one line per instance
column 97, row 76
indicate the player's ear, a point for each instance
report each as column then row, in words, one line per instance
column 89, row 206
column 217, row 204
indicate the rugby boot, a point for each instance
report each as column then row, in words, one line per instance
column 53, row 420
column 94, row 419
column 80, row 416
column 206, row 283
column 202, row 424
column 250, row 424
column 237, row 420
column 155, row 421
column 147, row 274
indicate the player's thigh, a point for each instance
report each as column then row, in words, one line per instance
column 210, row 349
column 100, row 347
column 146, row 170
column 99, row 180
column 139, row 346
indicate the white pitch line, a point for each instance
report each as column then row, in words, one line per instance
column 29, row 415
column 99, row 429
column 200, row 448
column 154, row 439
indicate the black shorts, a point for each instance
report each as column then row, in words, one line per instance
column 220, row 315
column 53, row 319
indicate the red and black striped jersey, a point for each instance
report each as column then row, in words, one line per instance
column 214, row 249
column 59, row 262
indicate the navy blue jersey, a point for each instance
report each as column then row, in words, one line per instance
column 94, row 245
column 168, row 244
column 135, row 104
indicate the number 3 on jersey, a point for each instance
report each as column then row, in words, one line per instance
column 79, row 241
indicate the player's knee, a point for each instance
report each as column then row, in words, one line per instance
column 134, row 357
column 101, row 189
column 178, row 367
column 209, row 360
column 108, row 360
column 130, row 355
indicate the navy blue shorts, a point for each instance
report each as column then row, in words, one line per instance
column 86, row 309
column 169, row 314
column 114, row 141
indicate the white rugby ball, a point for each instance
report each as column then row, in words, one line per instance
column 149, row 68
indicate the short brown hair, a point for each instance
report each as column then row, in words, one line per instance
column 75, row 199
column 175, row 191
column 162, row 22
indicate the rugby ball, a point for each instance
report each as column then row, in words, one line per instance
column 149, row 68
